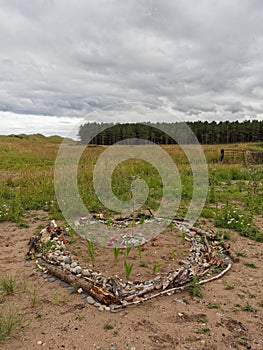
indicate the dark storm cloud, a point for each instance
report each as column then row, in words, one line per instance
column 197, row 60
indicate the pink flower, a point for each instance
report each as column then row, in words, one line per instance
column 155, row 244
column 109, row 243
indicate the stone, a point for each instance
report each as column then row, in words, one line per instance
column 80, row 290
column 78, row 270
column 67, row 260
column 97, row 304
column 52, row 279
column 101, row 308
column 90, row 300
column 73, row 265
column 67, row 267
column 86, row 273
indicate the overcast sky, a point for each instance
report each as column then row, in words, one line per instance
column 179, row 60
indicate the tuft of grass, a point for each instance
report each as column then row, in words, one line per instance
column 33, row 298
column 213, row 305
column 194, row 287
column 128, row 269
column 10, row 323
column 108, row 326
column 242, row 255
column 8, row 284
column 128, row 250
column 241, row 296
column 229, row 287
column 116, row 252
column 203, row 330
column 251, row 265
column 90, row 246
column 248, row 307
column 143, row 264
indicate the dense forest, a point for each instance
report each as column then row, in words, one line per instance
column 170, row 133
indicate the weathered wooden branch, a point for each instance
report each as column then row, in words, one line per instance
column 87, row 286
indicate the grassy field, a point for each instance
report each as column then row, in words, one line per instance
column 235, row 197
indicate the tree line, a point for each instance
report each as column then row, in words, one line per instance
column 172, row 133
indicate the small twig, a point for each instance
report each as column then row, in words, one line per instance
column 217, row 276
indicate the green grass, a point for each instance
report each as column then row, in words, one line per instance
column 194, row 287
column 213, row 306
column 8, row 284
column 251, row 265
column 108, row 326
column 27, row 183
column 203, row 330
column 10, row 323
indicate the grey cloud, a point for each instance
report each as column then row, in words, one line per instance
column 64, row 58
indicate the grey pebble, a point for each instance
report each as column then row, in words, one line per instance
column 52, row 279
column 71, row 289
column 67, row 260
column 90, row 300
column 28, row 265
column 63, row 285
column 101, row 308
column 73, row 265
column 83, row 295
column 45, row 276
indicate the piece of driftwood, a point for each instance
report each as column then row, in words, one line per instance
column 202, row 232
column 171, row 290
column 98, row 293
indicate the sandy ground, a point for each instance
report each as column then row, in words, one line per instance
column 53, row 318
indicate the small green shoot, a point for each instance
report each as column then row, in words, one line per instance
column 90, row 246
column 128, row 250
column 155, row 268
column 116, row 252
column 128, row 269
column 140, row 250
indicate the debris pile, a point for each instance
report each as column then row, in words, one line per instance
column 49, row 250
